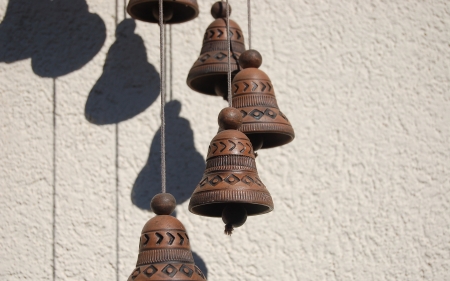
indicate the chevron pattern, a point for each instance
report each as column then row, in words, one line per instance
column 221, row 147
column 256, row 86
column 221, row 34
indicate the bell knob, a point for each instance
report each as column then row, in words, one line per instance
column 163, row 204
column 230, row 118
column 250, row 59
column 219, row 9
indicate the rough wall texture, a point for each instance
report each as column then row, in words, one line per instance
column 361, row 194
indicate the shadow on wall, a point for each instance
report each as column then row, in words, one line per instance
column 59, row 36
column 184, row 164
column 128, row 85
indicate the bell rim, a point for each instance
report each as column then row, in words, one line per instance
column 195, row 76
column 260, row 200
column 253, row 129
column 193, row 5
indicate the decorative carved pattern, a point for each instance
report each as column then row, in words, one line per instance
column 231, row 195
column 236, row 146
column 170, row 270
column 230, row 162
column 172, row 238
column 236, row 46
column 220, row 33
column 135, row 273
column 231, row 179
column 258, row 114
column 164, row 255
column 149, row 271
column 186, row 270
column 159, row 239
column 213, row 57
column 257, row 86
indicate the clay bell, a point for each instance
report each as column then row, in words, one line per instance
column 254, row 96
column 164, row 248
column 175, row 11
column 208, row 75
column 230, row 187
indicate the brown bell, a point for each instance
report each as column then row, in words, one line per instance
column 254, row 96
column 230, row 187
column 164, row 248
column 175, row 11
column 208, row 75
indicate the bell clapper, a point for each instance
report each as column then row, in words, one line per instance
column 233, row 215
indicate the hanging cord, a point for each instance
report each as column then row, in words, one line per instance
column 249, row 19
column 163, row 96
column 229, row 55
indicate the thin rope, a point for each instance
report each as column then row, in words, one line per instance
column 163, row 96
column 249, row 19
column 229, row 56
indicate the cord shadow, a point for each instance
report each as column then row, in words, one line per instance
column 129, row 83
column 184, row 164
column 59, row 36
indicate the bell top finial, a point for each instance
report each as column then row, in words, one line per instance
column 219, row 10
column 163, row 204
column 250, row 59
column 230, row 118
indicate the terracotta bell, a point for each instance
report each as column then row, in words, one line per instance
column 164, row 248
column 175, row 11
column 230, row 187
column 254, row 96
column 209, row 73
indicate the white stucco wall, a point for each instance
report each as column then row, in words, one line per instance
column 362, row 193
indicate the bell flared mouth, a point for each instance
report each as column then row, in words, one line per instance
column 211, row 203
column 183, row 11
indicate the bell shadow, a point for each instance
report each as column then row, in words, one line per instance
column 59, row 36
column 200, row 263
column 184, row 164
column 129, row 83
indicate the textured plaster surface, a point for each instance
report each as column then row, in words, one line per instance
column 362, row 193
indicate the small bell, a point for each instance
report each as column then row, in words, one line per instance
column 254, row 96
column 164, row 248
column 209, row 73
column 230, row 187
column 175, row 11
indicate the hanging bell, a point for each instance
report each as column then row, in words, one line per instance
column 209, row 73
column 164, row 248
column 253, row 94
column 175, row 11
column 230, row 187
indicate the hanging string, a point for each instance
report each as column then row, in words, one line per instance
column 163, row 96
column 249, row 19
column 229, row 55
